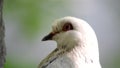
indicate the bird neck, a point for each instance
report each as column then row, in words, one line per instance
column 81, row 55
column 82, row 51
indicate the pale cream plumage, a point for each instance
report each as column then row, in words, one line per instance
column 77, row 45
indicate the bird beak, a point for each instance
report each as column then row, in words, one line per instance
column 48, row 37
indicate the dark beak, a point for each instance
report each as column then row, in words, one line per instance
column 48, row 37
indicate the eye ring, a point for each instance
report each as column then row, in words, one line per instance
column 67, row 26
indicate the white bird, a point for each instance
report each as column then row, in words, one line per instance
column 77, row 45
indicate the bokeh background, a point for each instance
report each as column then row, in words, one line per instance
column 27, row 21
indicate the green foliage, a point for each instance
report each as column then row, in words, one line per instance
column 27, row 16
column 20, row 64
column 27, row 13
column 31, row 13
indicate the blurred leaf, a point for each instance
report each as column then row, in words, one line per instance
column 24, row 64
column 31, row 13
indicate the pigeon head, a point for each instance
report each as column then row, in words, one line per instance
column 70, row 32
column 76, row 38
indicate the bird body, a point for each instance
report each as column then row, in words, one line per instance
column 77, row 45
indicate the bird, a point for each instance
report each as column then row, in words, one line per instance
column 77, row 45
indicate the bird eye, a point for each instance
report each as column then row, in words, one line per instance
column 67, row 26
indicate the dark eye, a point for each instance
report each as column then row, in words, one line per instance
column 67, row 26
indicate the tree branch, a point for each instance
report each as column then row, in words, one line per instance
column 2, row 35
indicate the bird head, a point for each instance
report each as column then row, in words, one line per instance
column 76, row 37
column 71, row 31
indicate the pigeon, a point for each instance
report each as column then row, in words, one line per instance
column 77, row 45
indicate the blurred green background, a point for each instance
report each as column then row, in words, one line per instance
column 27, row 21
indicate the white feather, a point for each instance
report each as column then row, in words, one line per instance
column 81, row 46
